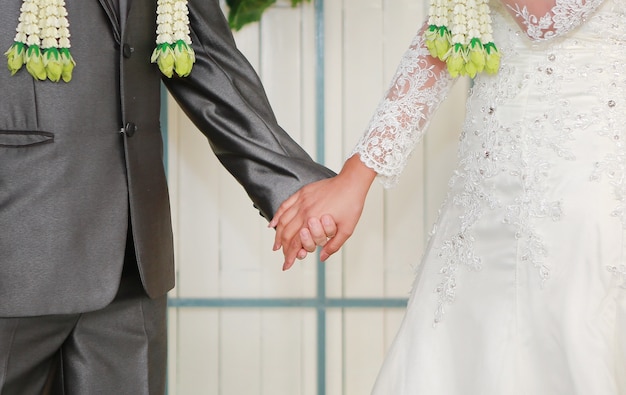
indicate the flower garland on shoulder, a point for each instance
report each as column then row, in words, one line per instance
column 460, row 34
column 173, row 52
column 42, row 42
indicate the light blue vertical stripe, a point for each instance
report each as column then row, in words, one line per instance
column 320, row 90
column 320, row 153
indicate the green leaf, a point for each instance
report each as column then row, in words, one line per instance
column 243, row 12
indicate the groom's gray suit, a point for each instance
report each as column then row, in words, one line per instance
column 80, row 160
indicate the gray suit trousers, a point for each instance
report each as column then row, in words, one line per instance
column 120, row 349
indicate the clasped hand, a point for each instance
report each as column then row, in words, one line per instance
column 323, row 213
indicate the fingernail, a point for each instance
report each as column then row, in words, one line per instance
column 323, row 256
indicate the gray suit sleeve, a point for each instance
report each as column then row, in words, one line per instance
column 225, row 99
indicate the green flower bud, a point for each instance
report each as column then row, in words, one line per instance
column 166, row 64
column 15, row 56
column 442, row 43
column 68, row 64
column 492, row 59
column 456, row 61
column 470, row 69
column 476, row 58
column 163, row 56
column 34, row 63
column 53, row 63
column 184, row 59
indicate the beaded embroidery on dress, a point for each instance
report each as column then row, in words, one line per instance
column 522, row 289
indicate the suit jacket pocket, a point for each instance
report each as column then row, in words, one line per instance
column 21, row 138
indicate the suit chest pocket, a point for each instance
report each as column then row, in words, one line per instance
column 23, row 138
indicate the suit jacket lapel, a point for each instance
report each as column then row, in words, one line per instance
column 114, row 16
column 124, row 6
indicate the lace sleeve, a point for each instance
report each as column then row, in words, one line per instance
column 542, row 20
column 420, row 84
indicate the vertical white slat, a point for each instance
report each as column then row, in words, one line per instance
column 309, row 347
column 333, row 84
column 285, row 366
column 404, row 204
column 363, row 82
column 197, row 245
column 239, row 242
column 240, row 352
column 197, row 357
column 308, row 82
column 363, row 347
column 334, row 115
column 334, row 352
column 287, row 77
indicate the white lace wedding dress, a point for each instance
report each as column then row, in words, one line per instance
column 522, row 289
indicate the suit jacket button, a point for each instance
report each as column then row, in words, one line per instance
column 130, row 129
column 127, row 50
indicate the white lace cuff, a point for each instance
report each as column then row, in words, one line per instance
column 421, row 83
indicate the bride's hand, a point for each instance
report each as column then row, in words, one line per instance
column 317, row 233
column 336, row 201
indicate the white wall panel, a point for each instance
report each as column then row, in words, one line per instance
column 193, row 177
column 334, row 114
column 363, row 33
column 287, row 364
column 404, row 204
column 195, row 366
column 335, row 353
column 223, row 248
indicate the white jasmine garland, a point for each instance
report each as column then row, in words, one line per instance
column 460, row 34
column 42, row 40
column 173, row 52
column 55, row 40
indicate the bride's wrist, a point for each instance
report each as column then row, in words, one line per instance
column 355, row 172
